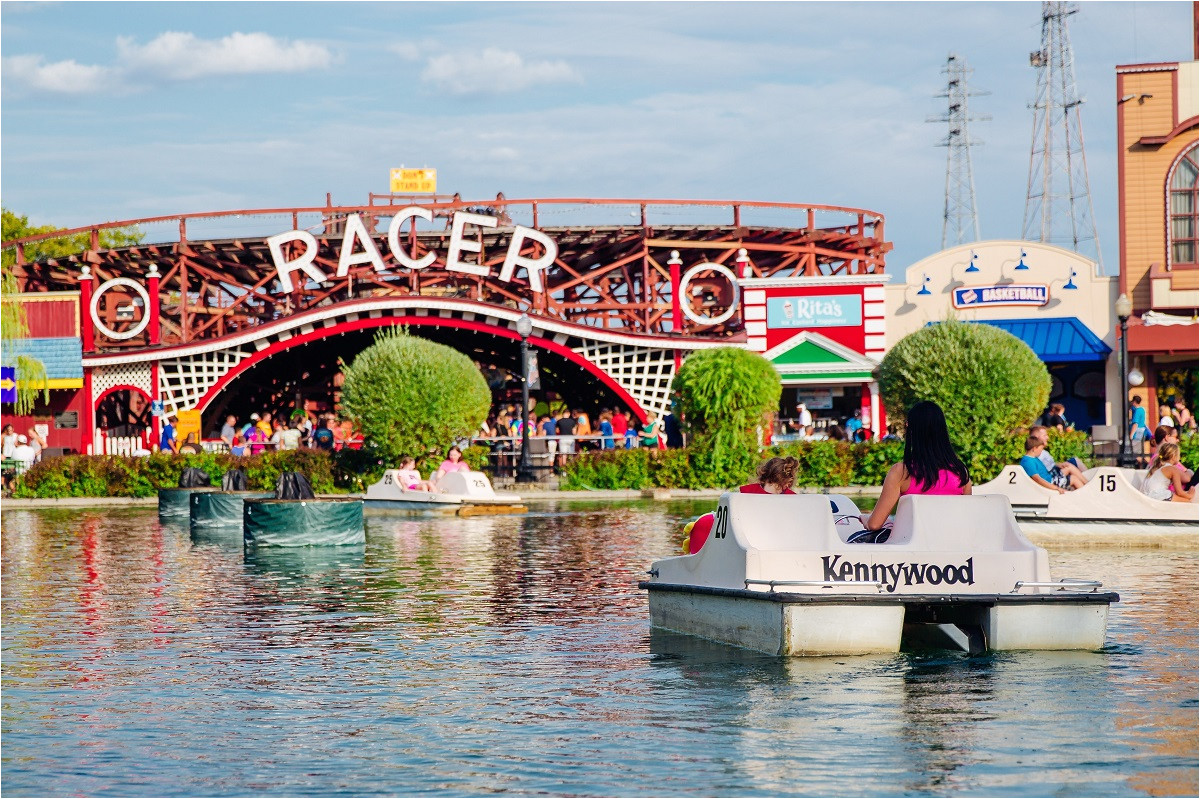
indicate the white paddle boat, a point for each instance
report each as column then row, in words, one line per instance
column 777, row 575
column 1109, row 509
column 464, row 493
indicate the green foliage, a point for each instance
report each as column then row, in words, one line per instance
column 724, row 394
column 1188, row 454
column 986, row 380
column 413, row 397
column 114, row 476
column 18, row 227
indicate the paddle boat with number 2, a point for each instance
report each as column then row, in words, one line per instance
column 778, row 575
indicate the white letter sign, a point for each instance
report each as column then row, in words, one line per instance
column 398, row 252
column 458, row 246
column 357, row 231
column 284, row 267
column 533, row 266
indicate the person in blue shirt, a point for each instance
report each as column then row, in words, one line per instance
column 1137, row 420
column 606, row 430
column 168, row 442
column 1034, row 467
column 854, row 424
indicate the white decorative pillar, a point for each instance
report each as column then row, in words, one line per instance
column 874, row 387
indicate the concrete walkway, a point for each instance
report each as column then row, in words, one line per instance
column 659, row 494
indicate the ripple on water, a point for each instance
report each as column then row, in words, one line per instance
column 512, row 654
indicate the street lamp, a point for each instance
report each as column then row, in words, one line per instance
column 1124, row 309
column 524, row 468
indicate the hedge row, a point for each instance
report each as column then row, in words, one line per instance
column 822, row 463
column 114, row 476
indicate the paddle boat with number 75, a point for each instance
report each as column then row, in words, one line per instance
column 1109, row 509
column 778, row 575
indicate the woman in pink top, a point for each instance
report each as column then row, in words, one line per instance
column 453, row 463
column 929, row 466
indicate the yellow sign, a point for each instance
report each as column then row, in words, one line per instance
column 414, row 181
column 189, row 422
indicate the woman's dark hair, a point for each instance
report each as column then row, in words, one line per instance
column 836, row 433
column 453, row 449
column 779, row 471
column 927, row 448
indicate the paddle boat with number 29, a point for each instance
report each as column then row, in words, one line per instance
column 778, row 575
column 1109, row 509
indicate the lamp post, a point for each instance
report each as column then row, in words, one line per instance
column 524, row 467
column 1124, row 309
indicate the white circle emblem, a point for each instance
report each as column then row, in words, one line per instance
column 137, row 288
column 708, row 267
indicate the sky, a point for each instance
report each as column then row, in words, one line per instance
column 113, row 111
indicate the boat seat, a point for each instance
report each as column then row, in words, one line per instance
column 975, row 523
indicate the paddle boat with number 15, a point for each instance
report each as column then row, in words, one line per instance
column 778, row 575
column 1109, row 509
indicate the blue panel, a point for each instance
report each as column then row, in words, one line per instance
column 1056, row 340
column 62, row 357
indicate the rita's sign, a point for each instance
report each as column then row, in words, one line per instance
column 359, row 248
column 1035, row 294
column 832, row 310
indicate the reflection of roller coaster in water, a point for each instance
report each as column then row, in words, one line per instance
column 617, row 289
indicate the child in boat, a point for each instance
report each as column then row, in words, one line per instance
column 410, row 478
column 775, row 476
column 1165, row 480
column 929, row 465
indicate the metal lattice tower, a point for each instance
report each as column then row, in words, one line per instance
column 960, row 217
column 1058, row 203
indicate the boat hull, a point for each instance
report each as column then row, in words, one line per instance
column 808, row 625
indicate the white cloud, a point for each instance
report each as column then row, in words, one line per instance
column 65, row 77
column 183, row 56
column 409, row 51
column 172, row 56
column 494, row 70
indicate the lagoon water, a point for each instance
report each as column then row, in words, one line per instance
column 462, row 657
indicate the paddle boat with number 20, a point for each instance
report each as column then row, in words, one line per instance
column 777, row 575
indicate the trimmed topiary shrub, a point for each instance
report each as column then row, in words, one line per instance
column 724, row 393
column 986, row 380
column 413, row 397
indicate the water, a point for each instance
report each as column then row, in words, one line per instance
column 485, row 655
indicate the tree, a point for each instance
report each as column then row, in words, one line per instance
column 412, row 397
column 986, row 380
column 31, row 373
column 724, row 394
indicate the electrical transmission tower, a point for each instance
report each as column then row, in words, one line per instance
column 960, row 218
column 1058, row 203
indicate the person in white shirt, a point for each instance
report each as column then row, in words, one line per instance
column 9, row 441
column 24, row 453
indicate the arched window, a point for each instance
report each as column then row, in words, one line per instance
column 1181, row 210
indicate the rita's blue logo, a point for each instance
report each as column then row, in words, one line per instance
column 829, row 310
column 1012, row 294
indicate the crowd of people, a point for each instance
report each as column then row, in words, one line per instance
column 569, row 430
column 1165, row 479
column 266, row 432
column 852, row 428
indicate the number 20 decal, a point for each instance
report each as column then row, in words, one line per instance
column 721, row 522
column 1108, row 482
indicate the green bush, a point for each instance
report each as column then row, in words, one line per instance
column 114, row 476
column 724, row 394
column 988, row 382
column 412, row 397
column 1188, row 454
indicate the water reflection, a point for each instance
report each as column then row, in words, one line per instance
column 467, row 656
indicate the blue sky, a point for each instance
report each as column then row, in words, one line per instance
column 121, row 110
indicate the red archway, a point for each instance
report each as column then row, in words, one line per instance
column 421, row 321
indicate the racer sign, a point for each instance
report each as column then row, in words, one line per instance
column 358, row 247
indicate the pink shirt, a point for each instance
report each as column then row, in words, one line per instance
column 947, row 484
column 450, row 466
